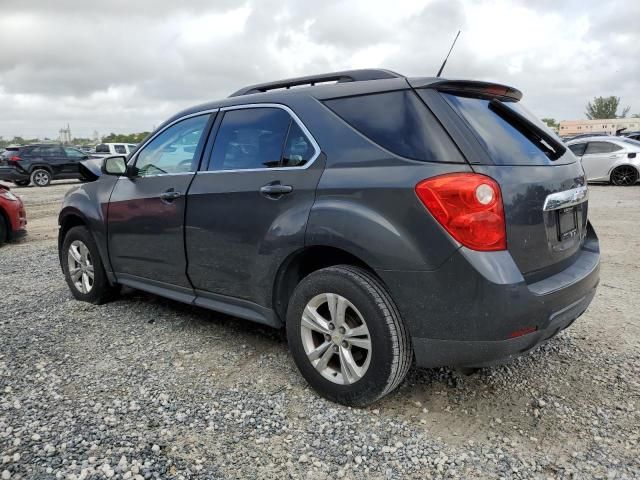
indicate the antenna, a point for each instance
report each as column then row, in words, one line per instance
column 447, row 57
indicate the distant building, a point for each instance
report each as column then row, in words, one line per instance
column 609, row 126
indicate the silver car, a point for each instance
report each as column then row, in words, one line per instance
column 608, row 159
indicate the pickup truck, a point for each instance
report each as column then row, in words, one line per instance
column 108, row 149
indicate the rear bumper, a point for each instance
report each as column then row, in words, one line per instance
column 10, row 174
column 473, row 309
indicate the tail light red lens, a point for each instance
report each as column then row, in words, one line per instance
column 469, row 207
column 15, row 159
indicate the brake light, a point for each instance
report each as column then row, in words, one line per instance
column 469, row 207
column 15, row 159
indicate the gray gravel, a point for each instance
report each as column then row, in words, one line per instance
column 148, row 388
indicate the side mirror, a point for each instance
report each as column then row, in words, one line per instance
column 114, row 166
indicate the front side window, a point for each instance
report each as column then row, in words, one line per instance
column 74, row 153
column 578, row 149
column 173, row 150
column 250, row 138
column 120, row 149
column 595, row 148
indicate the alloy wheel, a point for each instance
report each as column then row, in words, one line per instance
column 335, row 338
column 41, row 178
column 624, row 176
column 80, row 266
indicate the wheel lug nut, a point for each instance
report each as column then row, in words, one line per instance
column 335, row 348
column 327, row 337
column 345, row 344
column 331, row 326
column 342, row 330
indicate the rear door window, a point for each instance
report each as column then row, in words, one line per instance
column 102, row 148
column 249, row 139
column 505, row 143
column 399, row 122
column 120, row 149
column 594, row 148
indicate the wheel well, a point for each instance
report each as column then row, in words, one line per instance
column 67, row 223
column 303, row 263
column 41, row 167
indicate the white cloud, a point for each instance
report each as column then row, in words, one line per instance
column 126, row 66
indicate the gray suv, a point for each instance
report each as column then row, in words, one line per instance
column 379, row 219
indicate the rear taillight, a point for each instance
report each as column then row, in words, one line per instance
column 469, row 207
column 14, row 159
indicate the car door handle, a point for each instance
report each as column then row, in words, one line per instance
column 275, row 190
column 169, row 196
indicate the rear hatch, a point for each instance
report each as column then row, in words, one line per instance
column 6, row 154
column 542, row 183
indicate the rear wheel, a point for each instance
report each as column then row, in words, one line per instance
column 624, row 176
column 21, row 183
column 83, row 269
column 346, row 336
column 41, row 177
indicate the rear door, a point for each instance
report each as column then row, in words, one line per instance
column 249, row 206
column 503, row 140
column 147, row 208
column 598, row 158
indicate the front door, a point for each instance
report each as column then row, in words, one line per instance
column 147, row 207
column 598, row 158
column 248, row 210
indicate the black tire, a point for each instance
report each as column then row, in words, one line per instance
column 41, row 177
column 4, row 229
column 624, row 176
column 101, row 290
column 21, row 183
column 391, row 353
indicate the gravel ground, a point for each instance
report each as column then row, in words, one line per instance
column 148, row 388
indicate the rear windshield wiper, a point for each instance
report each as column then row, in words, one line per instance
column 551, row 147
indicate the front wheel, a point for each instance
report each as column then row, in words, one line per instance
column 624, row 176
column 41, row 177
column 346, row 336
column 83, row 269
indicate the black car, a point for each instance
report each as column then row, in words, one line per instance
column 378, row 218
column 41, row 163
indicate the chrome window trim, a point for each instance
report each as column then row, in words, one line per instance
column 134, row 158
column 295, row 118
column 566, row 198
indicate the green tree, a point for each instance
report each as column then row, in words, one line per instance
column 551, row 123
column 605, row 107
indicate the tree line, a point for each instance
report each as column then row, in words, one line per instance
column 81, row 141
column 600, row 108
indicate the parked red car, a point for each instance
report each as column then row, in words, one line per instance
column 13, row 218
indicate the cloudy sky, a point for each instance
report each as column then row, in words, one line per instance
column 125, row 66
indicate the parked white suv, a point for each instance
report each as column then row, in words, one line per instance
column 106, row 149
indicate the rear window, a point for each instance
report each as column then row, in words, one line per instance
column 399, row 122
column 503, row 141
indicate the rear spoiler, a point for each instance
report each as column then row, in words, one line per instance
column 470, row 88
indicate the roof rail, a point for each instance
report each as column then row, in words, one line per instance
column 339, row 77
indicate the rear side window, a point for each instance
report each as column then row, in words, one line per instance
column 46, row 152
column 298, row 150
column 102, row 148
column 503, row 141
column 250, row 138
column 74, row 153
column 578, row 149
column 399, row 122
column 594, row 148
column 120, row 149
